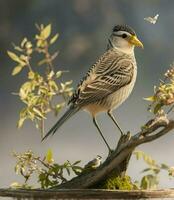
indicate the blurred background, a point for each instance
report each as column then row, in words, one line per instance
column 84, row 26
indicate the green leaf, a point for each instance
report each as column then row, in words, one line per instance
column 58, row 74
column 145, row 170
column 68, row 83
column 157, row 108
column 53, row 85
column 171, row 171
column 17, row 168
column 16, row 70
column 31, row 75
column 156, row 170
column 138, row 154
column 23, row 42
column 15, row 185
column 53, row 39
column 20, row 122
column 164, row 166
column 151, row 98
column 144, row 183
column 14, row 57
column 39, row 113
column 39, row 43
column 51, row 74
column 28, row 45
column 58, row 108
column 42, row 62
column 77, row 162
column 148, row 160
column 46, row 31
column 25, row 89
column 77, row 170
column 18, row 48
column 49, row 156
column 149, row 182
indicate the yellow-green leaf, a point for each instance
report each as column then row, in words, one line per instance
column 18, row 48
column 23, row 42
column 22, row 94
column 164, row 166
column 62, row 86
column 39, row 43
column 31, row 75
column 46, row 31
column 15, row 185
column 157, row 108
column 25, row 89
column 58, row 74
column 14, row 57
column 151, row 98
column 16, row 70
column 58, row 108
column 68, row 83
column 138, row 154
column 42, row 62
column 28, row 45
column 53, row 39
column 49, row 156
column 53, row 85
column 39, row 113
column 20, row 122
column 51, row 74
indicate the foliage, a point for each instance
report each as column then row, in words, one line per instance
column 39, row 90
column 48, row 172
column 164, row 93
column 151, row 179
column 118, row 183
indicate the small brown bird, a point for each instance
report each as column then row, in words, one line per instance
column 108, row 82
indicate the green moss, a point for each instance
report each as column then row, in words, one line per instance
column 118, row 183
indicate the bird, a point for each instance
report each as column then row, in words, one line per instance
column 93, row 164
column 152, row 20
column 108, row 82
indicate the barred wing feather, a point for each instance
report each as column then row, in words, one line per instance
column 108, row 75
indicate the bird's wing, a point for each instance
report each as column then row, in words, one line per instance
column 109, row 74
column 91, row 163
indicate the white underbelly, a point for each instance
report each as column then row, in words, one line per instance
column 118, row 97
column 113, row 100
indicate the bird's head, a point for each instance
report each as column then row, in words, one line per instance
column 124, row 38
column 99, row 157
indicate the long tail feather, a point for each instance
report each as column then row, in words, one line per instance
column 71, row 111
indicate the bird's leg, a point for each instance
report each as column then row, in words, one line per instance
column 115, row 122
column 95, row 123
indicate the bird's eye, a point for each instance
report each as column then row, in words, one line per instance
column 124, row 35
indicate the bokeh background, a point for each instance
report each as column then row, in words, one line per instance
column 84, row 26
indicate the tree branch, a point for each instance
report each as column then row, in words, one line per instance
column 118, row 161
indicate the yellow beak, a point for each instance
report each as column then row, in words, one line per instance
column 135, row 41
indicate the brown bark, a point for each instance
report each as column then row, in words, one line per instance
column 86, row 194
